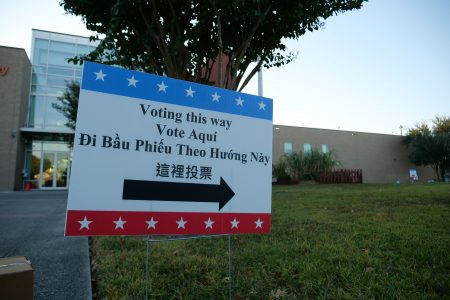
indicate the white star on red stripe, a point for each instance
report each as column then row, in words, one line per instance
column 119, row 223
column 84, row 223
column 172, row 223
column 234, row 223
column 209, row 223
column 151, row 223
column 259, row 223
column 181, row 223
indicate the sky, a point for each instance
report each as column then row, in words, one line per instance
column 369, row 70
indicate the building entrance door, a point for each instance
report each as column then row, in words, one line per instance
column 54, row 169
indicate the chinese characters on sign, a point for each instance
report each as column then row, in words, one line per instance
column 182, row 171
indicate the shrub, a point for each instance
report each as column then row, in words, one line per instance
column 309, row 165
column 295, row 164
column 279, row 170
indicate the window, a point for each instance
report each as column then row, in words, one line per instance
column 287, row 147
column 57, row 81
column 307, row 148
column 43, row 115
column 60, row 71
column 78, row 73
column 44, row 89
column 40, row 52
column 37, row 111
column 60, row 52
column 82, row 50
column 39, row 69
column 38, row 79
column 325, row 148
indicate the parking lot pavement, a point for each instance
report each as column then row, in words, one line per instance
column 32, row 225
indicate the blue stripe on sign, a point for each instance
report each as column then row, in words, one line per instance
column 123, row 82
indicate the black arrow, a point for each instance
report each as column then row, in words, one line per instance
column 177, row 191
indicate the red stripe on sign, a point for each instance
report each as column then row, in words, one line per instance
column 88, row 222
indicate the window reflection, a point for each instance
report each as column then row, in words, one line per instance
column 51, row 73
column 62, row 167
column 287, row 147
column 47, row 164
column 40, row 70
column 43, row 115
column 82, row 50
column 35, row 168
column 37, row 111
column 307, row 148
column 60, row 71
column 40, row 53
column 53, row 117
column 47, row 170
column 60, row 52
column 38, row 79
column 57, row 81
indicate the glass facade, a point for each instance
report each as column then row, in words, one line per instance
column 47, row 156
column 50, row 74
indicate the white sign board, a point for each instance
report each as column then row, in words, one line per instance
column 413, row 175
column 155, row 155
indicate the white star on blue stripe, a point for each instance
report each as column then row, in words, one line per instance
column 110, row 80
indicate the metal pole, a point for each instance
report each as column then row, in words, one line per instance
column 150, row 240
column 146, row 269
column 260, row 82
column 184, row 238
column 229, row 267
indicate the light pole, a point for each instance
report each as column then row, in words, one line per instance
column 401, row 130
column 260, row 82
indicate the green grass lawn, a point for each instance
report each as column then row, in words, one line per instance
column 327, row 241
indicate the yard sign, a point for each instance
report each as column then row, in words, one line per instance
column 155, row 155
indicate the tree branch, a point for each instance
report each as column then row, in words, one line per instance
column 162, row 45
column 177, row 34
column 246, row 43
column 252, row 73
column 220, row 45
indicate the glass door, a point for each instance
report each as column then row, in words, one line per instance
column 55, row 167
column 62, row 169
column 47, row 170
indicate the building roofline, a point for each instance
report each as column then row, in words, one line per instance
column 61, row 33
column 11, row 47
column 337, row 130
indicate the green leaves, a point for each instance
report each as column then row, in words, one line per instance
column 431, row 146
column 180, row 39
column 304, row 165
column 68, row 103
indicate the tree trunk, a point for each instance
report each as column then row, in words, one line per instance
column 441, row 172
column 437, row 171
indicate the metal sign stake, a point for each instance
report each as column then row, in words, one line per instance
column 150, row 240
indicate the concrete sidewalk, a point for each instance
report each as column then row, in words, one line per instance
column 32, row 224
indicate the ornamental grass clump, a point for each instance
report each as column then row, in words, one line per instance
column 305, row 165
